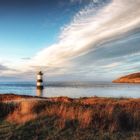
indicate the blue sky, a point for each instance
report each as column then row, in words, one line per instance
column 69, row 39
column 32, row 24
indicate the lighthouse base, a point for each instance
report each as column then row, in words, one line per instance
column 40, row 87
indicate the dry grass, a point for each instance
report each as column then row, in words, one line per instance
column 96, row 113
column 14, row 97
column 11, row 97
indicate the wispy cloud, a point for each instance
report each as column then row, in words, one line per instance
column 92, row 28
column 3, row 68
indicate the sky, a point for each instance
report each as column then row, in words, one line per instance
column 96, row 40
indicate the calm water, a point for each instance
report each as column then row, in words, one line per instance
column 73, row 89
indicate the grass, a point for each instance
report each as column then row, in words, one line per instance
column 45, row 129
column 65, row 119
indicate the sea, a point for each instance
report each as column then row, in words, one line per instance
column 72, row 89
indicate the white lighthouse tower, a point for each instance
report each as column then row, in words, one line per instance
column 39, row 83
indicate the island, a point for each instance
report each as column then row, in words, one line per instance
column 131, row 78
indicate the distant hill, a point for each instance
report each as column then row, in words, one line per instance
column 131, row 78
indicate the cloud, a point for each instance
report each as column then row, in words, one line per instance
column 3, row 68
column 6, row 71
column 26, row 58
column 80, row 1
column 97, row 33
column 90, row 28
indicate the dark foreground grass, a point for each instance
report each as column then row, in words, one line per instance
column 46, row 129
column 70, row 119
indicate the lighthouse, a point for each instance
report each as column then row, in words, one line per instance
column 39, row 83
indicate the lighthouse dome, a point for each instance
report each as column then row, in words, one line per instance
column 40, row 73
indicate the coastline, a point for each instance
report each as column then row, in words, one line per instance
column 133, row 78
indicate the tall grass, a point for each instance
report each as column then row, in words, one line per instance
column 99, row 114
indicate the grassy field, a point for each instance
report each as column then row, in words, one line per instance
column 62, row 118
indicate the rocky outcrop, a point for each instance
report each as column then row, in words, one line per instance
column 131, row 78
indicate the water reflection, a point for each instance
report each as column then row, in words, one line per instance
column 110, row 90
column 73, row 90
column 39, row 92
